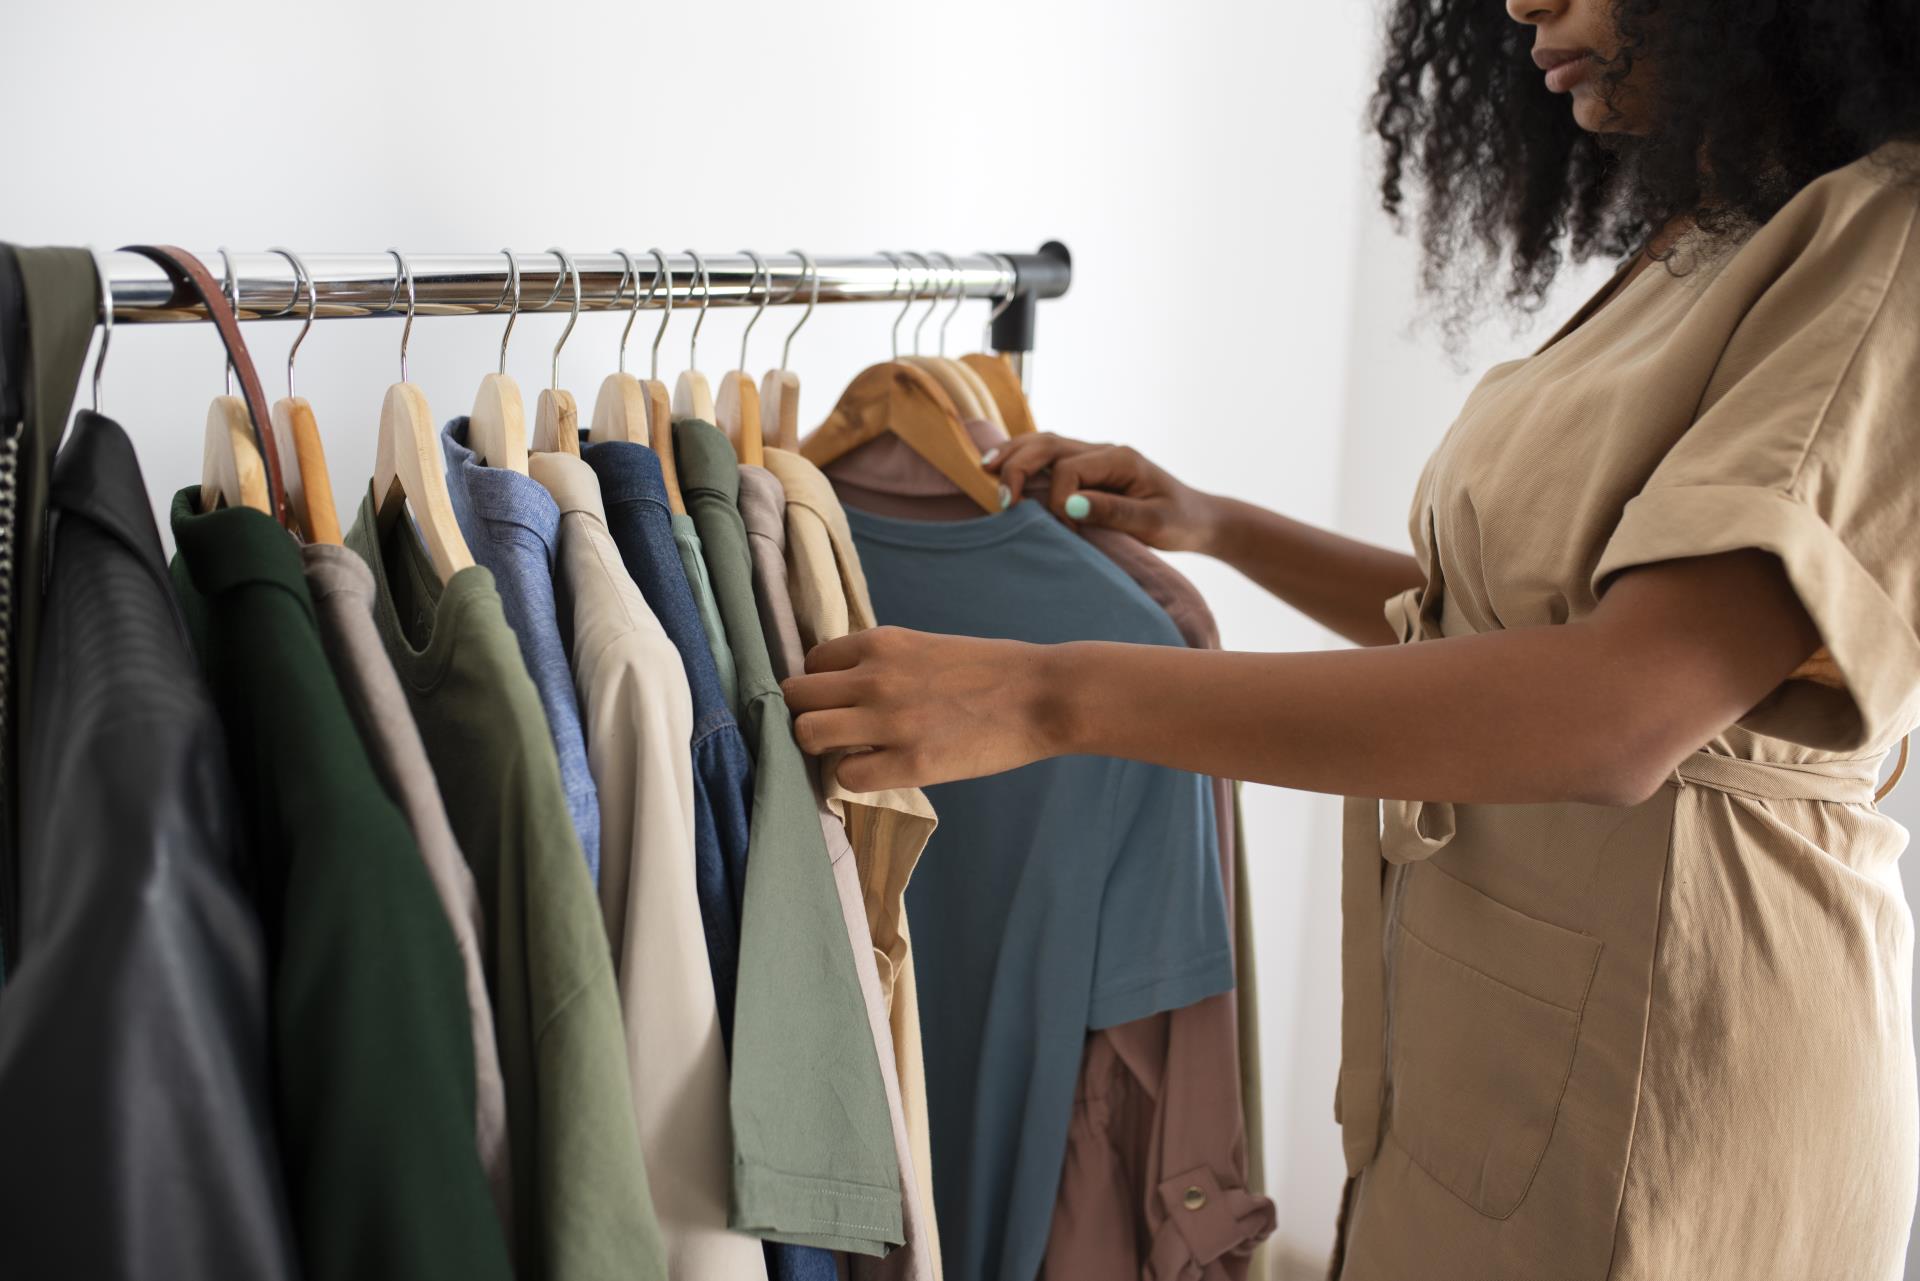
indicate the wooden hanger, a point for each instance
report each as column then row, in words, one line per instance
column 304, row 460
column 620, row 408
column 780, row 389
column 692, row 398
column 233, row 466
column 408, row 469
column 946, row 372
column 1004, row 387
column 497, row 428
column 990, row 408
column 737, row 408
column 906, row 400
column 638, row 410
column 556, row 419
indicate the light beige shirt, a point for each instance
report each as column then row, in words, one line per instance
column 887, row 829
column 1673, row 1039
column 638, row 717
column 342, row 590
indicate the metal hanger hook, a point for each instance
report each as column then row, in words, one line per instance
column 627, row 272
column 933, row 299
column 513, row 287
column 959, row 296
column 813, row 300
column 105, row 277
column 1000, row 307
column 706, row 301
column 302, row 279
column 766, row 296
column 660, row 273
column 566, row 265
column 406, row 330
column 899, row 265
column 230, row 287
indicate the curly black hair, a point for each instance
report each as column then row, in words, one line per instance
column 1751, row 99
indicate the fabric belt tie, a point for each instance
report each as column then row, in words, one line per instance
column 1376, row 834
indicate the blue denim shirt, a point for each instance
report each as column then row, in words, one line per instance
column 512, row 527
column 639, row 519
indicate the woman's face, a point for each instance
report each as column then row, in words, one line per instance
column 1572, row 40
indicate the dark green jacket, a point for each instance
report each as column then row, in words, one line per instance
column 372, row 1051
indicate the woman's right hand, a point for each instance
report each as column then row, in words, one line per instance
column 1108, row 485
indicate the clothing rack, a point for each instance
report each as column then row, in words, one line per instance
column 268, row 285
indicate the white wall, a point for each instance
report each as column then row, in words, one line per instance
column 1199, row 159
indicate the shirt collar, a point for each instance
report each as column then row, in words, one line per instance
column 235, row 546
column 573, row 484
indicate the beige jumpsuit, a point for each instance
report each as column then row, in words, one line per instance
column 1670, row 1041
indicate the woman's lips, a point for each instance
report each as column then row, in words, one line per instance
column 1565, row 68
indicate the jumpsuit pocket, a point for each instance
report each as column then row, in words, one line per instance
column 1484, row 1018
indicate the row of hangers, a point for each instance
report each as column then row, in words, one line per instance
column 923, row 399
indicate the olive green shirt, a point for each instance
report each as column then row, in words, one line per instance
column 373, row 1077
column 813, row 1146
column 581, row 1204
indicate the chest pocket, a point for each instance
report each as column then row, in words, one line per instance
column 1485, row 1010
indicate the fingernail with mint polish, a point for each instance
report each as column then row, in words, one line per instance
column 989, row 456
column 1078, row 507
column 1006, row 498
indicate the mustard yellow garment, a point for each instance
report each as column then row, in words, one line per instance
column 1671, row 1040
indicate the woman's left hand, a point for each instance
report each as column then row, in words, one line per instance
column 927, row 708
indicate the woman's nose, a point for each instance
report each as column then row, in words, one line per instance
column 1535, row 12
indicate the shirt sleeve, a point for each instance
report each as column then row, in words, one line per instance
column 1807, row 445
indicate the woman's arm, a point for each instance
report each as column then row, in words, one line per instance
column 1598, row 710
column 1340, row 583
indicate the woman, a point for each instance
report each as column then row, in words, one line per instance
column 1626, row 964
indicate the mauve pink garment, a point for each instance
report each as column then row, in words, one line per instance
column 1156, row 1181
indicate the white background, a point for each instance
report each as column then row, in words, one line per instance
column 1240, row 310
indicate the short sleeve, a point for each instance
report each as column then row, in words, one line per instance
column 1163, row 915
column 1807, row 446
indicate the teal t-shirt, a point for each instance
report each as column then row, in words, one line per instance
column 1072, row 894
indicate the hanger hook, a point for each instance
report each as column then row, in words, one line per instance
column 959, row 297
column 660, row 273
column 627, row 272
column 760, row 268
column 302, row 279
column 406, row 330
column 566, row 264
column 813, row 300
column 933, row 300
column 706, row 300
column 230, row 288
column 105, row 277
column 899, row 265
column 512, row 286
column 1001, row 305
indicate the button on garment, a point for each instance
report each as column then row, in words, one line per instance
column 373, row 1046
column 1578, row 1040
column 639, row 717
column 763, row 506
column 635, row 499
column 814, row 1162
column 342, row 589
column 133, row 1028
column 582, row 1208
column 513, row 529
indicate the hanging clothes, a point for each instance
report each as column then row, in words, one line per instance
column 814, row 1162
column 373, row 1057
column 763, row 508
column 1162, row 1137
column 342, row 590
column 888, row 829
column 134, row 1096
column 582, row 1207
column 48, row 306
column 638, row 517
column 513, row 528
column 638, row 714
column 1040, row 864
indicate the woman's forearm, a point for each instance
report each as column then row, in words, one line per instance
column 1339, row 582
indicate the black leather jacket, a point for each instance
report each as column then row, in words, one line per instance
column 136, row 1133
